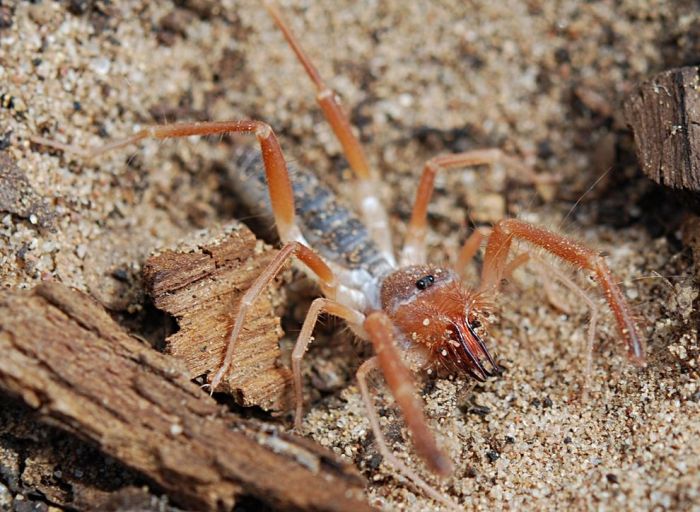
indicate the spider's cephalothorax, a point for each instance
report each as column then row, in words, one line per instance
column 439, row 319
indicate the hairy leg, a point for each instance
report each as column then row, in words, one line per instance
column 318, row 306
column 362, row 373
column 469, row 249
column 371, row 208
column 380, row 331
column 549, row 270
column 522, row 258
column 571, row 251
column 276, row 173
column 308, row 258
column 413, row 252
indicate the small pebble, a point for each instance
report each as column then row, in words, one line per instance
column 100, row 66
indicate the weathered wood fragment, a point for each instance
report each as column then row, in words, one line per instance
column 200, row 284
column 67, row 359
column 664, row 114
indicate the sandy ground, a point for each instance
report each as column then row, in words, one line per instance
column 541, row 80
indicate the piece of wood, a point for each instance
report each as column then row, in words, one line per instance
column 201, row 283
column 40, row 464
column 664, row 114
column 66, row 358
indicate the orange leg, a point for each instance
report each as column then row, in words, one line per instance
column 373, row 212
column 549, row 270
column 547, row 273
column 318, row 306
column 570, row 251
column 514, row 264
column 380, row 330
column 309, row 258
column 414, row 246
column 555, row 301
column 327, row 100
column 362, row 374
column 279, row 184
column 469, row 249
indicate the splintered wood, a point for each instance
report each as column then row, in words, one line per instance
column 664, row 114
column 201, row 284
column 66, row 358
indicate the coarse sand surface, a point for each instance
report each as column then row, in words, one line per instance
column 543, row 81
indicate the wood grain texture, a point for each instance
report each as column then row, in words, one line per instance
column 664, row 114
column 66, row 358
column 201, row 283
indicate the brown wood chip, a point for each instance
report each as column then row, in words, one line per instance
column 65, row 357
column 200, row 284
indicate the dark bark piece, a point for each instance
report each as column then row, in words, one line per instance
column 65, row 357
column 664, row 114
column 200, row 284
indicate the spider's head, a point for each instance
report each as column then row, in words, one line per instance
column 439, row 316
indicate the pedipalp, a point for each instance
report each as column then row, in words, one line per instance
column 571, row 252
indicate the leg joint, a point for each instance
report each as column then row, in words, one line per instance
column 263, row 130
column 325, row 93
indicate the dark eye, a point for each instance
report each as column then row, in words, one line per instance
column 425, row 282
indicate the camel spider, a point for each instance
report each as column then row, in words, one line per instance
column 416, row 315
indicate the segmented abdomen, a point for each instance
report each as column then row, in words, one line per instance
column 331, row 228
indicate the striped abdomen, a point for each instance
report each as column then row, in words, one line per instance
column 329, row 227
